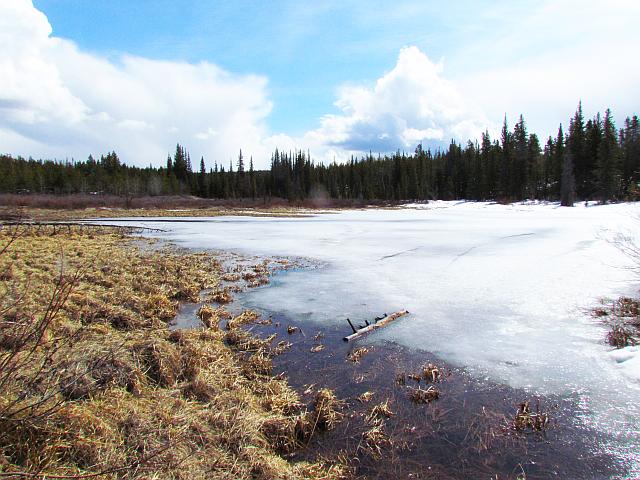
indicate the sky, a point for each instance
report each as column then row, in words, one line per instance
column 336, row 78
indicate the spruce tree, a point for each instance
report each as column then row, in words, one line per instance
column 608, row 160
column 576, row 146
column 567, row 181
column 506, row 160
column 519, row 175
column 630, row 150
column 202, row 179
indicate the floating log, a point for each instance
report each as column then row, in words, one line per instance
column 374, row 326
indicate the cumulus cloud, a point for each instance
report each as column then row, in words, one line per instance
column 58, row 101
column 410, row 104
column 547, row 57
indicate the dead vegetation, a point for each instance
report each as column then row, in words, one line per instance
column 527, row 419
column 355, row 355
column 620, row 336
column 379, row 412
column 422, row 395
column 211, row 317
column 621, row 316
column 431, row 373
column 94, row 385
column 375, row 441
column 78, row 206
column 327, row 410
column 220, row 295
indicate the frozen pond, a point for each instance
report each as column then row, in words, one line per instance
column 504, row 291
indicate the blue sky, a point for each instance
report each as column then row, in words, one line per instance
column 334, row 77
column 306, row 49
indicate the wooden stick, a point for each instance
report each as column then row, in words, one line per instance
column 351, row 325
column 374, row 326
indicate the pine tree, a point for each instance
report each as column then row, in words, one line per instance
column 567, row 181
column 202, row 179
column 608, row 160
column 505, row 161
column 557, row 161
column 519, row 176
column 180, row 163
column 576, row 146
column 535, row 168
column 241, row 180
column 630, row 150
column 252, row 179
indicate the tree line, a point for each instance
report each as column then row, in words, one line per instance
column 590, row 160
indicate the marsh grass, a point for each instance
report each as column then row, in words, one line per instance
column 94, row 383
column 622, row 319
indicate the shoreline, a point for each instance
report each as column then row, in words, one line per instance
column 471, row 415
column 506, row 397
column 120, row 394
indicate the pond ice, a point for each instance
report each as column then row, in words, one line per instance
column 505, row 291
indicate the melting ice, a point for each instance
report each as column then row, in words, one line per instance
column 505, row 291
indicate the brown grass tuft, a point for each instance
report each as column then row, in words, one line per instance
column 431, row 373
column 221, row 295
column 374, row 441
column 355, row 355
column 209, row 316
column 245, row 318
column 620, row 336
column 526, row 419
column 379, row 412
column 161, row 361
column 327, row 409
column 421, row 395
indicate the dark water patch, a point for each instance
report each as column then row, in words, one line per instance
column 468, row 432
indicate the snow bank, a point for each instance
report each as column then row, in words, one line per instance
column 628, row 359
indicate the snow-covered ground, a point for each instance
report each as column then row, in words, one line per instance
column 505, row 291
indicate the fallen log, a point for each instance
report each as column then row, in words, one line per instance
column 374, row 326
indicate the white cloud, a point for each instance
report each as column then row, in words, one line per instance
column 540, row 60
column 412, row 103
column 57, row 101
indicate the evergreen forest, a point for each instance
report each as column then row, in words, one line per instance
column 589, row 160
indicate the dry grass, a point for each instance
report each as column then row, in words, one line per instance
column 221, row 295
column 431, row 373
column 66, row 207
column 356, row 355
column 245, row 318
column 365, row 397
column 210, row 317
column 421, row 395
column 109, row 391
column 374, row 441
column 620, row 336
column 326, row 413
column 379, row 412
column 527, row 419
column 621, row 316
